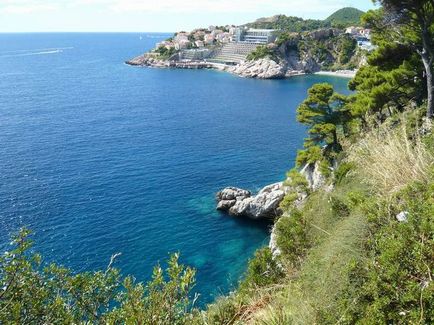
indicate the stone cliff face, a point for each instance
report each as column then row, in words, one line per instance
column 322, row 49
column 313, row 175
column 312, row 52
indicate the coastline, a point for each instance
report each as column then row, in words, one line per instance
column 144, row 61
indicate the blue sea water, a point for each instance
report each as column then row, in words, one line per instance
column 98, row 157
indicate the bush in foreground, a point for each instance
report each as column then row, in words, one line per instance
column 32, row 293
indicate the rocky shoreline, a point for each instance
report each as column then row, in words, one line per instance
column 265, row 204
column 260, row 69
column 147, row 61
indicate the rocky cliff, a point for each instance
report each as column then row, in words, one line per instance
column 307, row 52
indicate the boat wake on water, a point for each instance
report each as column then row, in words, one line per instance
column 19, row 53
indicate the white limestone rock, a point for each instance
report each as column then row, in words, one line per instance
column 313, row 175
column 262, row 69
column 225, row 205
column 239, row 202
column 232, row 193
column 402, row 216
column 263, row 205
column 274, row 248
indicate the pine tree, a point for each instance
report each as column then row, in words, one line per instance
column 324, row 112
column 411, row 23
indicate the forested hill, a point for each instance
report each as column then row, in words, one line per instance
column 288, row 23
column 345, row 17
column 342, row 18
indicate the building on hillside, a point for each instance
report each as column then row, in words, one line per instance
column 167, row 44
column 224, row 37
column 255, row 36
column 199, row 35
column 366, row 33
column 181, row 37
column 216, row 32
column 194, row 54
column 209, row 39
column 352, row 30
column 199, row 43
column 182, row 44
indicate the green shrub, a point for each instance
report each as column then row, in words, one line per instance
column 292, row 237
column 356, row 198
column 288, row 201
column 298, row 185
column 395, row 283
column 34, row 294
column 262, row 270
column 261, row 52
column 339, row 207
column 164, row 52
column 309, row 155
column 223, row 311
column 342, row 171
column 297, row 180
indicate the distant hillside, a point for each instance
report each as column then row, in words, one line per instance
column 288, row 23
column 342, row 18
column 345, row 17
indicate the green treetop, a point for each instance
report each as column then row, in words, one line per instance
column 411, row 23
column 325, row 113
column 393, row 77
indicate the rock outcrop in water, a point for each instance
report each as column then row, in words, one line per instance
column 265, row 204
column 240, row 202
column 149, row 61
column 228, row 197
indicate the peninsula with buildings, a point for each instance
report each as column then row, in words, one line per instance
column 269, row 48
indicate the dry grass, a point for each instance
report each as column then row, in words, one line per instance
column 323, row 276
column 391, row 159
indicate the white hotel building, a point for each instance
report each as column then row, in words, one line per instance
column 254, row 36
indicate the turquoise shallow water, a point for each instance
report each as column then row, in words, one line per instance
column 98, row 157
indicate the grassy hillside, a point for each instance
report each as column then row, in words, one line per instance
column 345, row 17
column 345, row 257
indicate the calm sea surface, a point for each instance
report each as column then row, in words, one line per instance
column 97, row 157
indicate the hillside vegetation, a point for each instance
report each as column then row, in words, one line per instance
column 288, row 23
column 324, row 49
column 346, row 17
column 342, row 18
column 358, row 248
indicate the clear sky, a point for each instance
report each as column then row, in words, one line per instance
column 153, row 15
